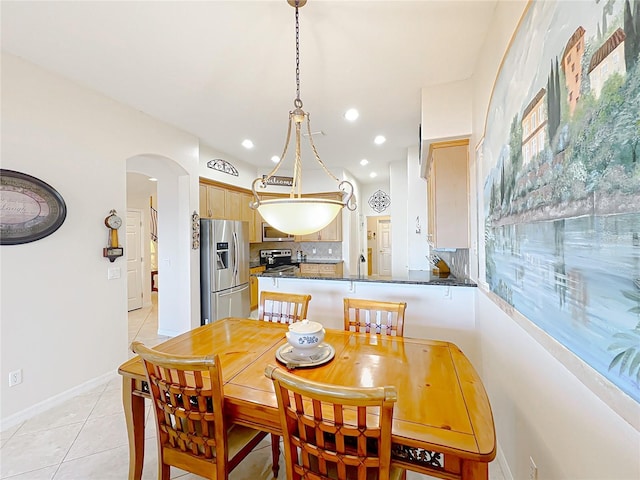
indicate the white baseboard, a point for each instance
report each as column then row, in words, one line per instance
column 32, row 411
column 168, row 333
column 506, row 471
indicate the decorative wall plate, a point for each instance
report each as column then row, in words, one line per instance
column 30, row 209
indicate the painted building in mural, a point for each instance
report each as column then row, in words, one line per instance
column 534, row 126
column 571, row 65
column 607, row 60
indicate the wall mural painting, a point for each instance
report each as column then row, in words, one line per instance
column 561, row 155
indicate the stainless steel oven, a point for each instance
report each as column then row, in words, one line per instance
column 270, row 234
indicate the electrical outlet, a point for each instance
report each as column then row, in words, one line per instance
column 330, row 251
column 313, row 250
column 533, row 470
column 15, row 377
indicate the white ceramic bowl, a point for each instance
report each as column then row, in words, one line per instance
column 305, row 334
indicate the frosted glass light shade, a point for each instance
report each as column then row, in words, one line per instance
column 299, row 216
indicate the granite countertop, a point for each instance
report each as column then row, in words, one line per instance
column 415, row 277
column 317, row 261
column 295, row 263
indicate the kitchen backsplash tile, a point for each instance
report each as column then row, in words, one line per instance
column 313, row 250
column 458, row 261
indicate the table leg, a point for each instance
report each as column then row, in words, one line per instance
column 134, row 416
column 475, row 470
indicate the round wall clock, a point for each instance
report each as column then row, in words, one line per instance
column 30, row 209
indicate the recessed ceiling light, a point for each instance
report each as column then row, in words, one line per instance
column 275, row 159
column 364, row 162
column 246, row 143
column 153, row 179
column 373, row 174
column 379, row 140
column 351, row 114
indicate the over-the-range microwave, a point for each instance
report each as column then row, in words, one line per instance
column 270, row 234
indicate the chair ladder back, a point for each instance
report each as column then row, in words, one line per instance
column 283, row 307
column 372, row 316
column 331, row 431
column 188, row 404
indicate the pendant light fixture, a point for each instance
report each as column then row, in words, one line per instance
column 297, row 214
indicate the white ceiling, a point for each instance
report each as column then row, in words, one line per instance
column 225, row 70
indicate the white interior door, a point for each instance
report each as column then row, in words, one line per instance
column 134, row 259
column 384, row 247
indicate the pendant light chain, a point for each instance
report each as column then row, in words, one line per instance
column 297, row 165
column 298, row 102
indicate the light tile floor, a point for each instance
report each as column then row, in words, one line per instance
column 86, row 438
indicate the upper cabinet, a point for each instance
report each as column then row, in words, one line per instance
column 448, row 194
column 212, row 201
column 330, row 233
column 224, row 203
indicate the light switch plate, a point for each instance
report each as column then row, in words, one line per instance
column 113, row 273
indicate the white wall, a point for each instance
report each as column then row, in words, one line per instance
column 246, row 173
column 352, row 229
column 446, row 114
column 398, row 211
column 446, row 110
column 541, row 408
column 416, row 208
column 63, row 323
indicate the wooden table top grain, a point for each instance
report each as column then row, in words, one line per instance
column 442, row 406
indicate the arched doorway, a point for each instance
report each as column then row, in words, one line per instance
column 172, row 194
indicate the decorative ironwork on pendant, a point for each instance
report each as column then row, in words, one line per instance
column 419, row 456
column 222, row 166
column 379, row 201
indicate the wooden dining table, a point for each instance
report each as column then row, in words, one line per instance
column 442, row 420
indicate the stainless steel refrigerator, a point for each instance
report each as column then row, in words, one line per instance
column 224, row 270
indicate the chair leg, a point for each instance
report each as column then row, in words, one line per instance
column 275, row 454
column 164, row 472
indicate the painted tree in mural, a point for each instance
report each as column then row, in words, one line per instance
column 632, row 31
column 553, row 100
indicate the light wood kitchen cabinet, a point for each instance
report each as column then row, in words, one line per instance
column 253, row 285
column 229, row 204
column 233, row 205
column 330, row 233
column 251, row 216
column 212, row 201
column 448, row 194
column 321, row 269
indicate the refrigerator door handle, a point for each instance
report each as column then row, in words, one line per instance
column 235, row 257
column 233, row 291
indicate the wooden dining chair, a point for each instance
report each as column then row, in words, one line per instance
column 373, row 316
column 188, row 403
column 334, row 432
column 283, row 307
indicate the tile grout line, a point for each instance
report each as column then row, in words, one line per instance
column 79, row 432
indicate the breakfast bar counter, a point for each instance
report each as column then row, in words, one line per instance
column 415, row 277
column 437, row 307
